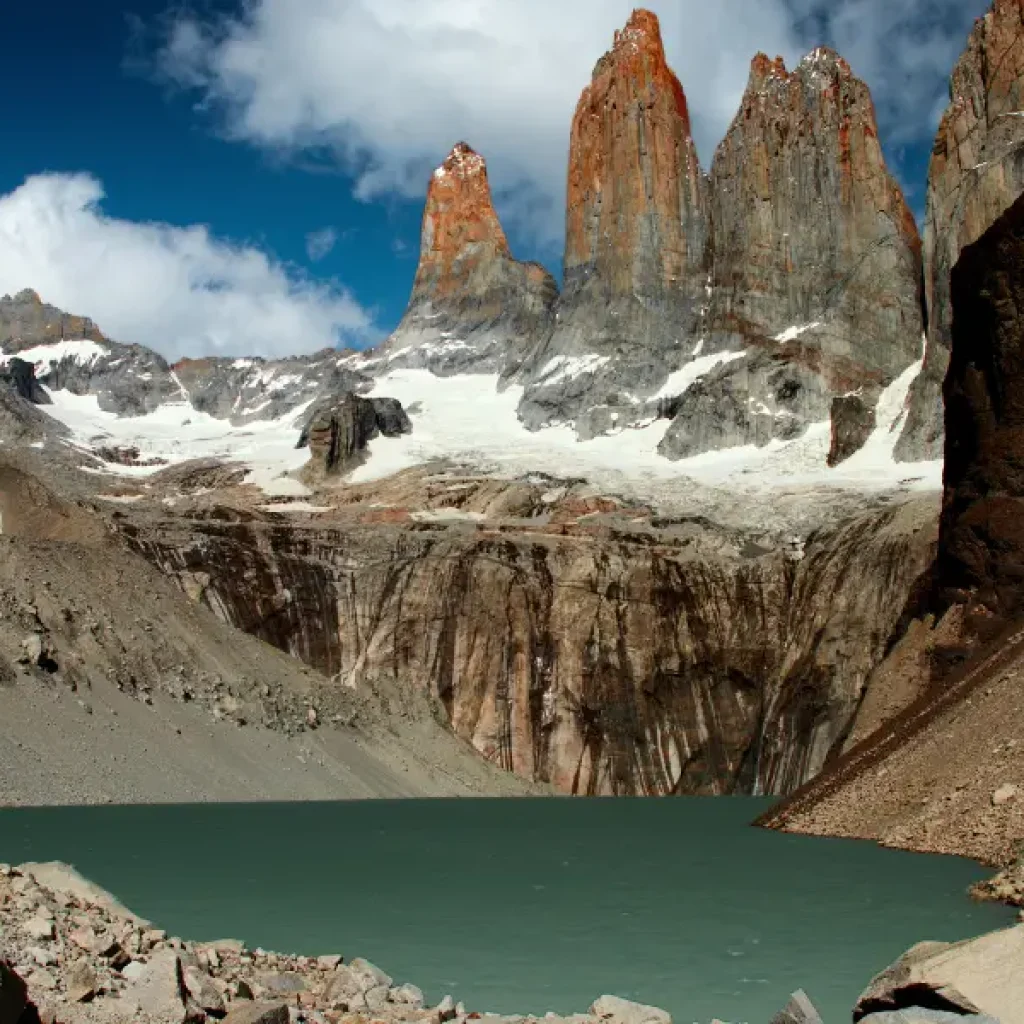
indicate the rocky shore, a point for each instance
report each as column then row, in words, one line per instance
column 71, row 954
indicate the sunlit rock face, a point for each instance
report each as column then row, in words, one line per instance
column 473, row 307
column 976, row 172
column 635, row 267
column 816, row 261
column 566, row 642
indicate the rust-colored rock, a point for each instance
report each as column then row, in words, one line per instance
column 473, row 307
column 976, row 172
column 635, row 269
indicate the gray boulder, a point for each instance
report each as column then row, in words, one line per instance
column 799, row 1010
column 622, row 1011
column 258, row 1013
column 978, row 976
column 918, row 1015
column 853, row 420
column 160, row 991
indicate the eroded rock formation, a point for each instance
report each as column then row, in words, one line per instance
column 635, row 269
column 473, row 307
column 976, row 171
column 816, row 263
column 567, row 642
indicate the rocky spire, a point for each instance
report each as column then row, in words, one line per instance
column 636, row 229
column 976, row 172
column 473, row 307
column 635, row 218
column 816, row 264
column 809, row 226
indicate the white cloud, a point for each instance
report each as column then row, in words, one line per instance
column 320, row 243
column 177, row 290
column 389, row 85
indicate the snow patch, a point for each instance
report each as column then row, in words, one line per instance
column 679, row 381
column 83, row 352
column 792, row 333
column 567, row 367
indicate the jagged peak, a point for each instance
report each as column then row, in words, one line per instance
column 463, row 161
column 762, row 68
column 825, row 59
column 641, row 31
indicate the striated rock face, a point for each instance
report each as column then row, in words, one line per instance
column 976, row 171
column 981, row 545
column 816, row 264
column 567, row 643
column 635, row 272
column 20, row 378
column 473, row 307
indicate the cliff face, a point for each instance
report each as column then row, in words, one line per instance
column 955, row 684
column 584, row 650
column 635, row 273
column 473, row 307
column 976, row 171
column 981, row 551
column 816, row 260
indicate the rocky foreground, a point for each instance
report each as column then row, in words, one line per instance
column 71, row 954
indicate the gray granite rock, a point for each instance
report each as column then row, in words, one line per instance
column 799, row 1010
column 976, row 172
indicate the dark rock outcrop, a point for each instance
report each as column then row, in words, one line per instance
column 13, row 995
column 976, row 172
column 815, row 260
column 853, row 420
column 20, row 377
column 339, row 430
column 981, row 541
column 635, row 269
column 473, row 307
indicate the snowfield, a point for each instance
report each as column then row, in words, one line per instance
column 467, row 419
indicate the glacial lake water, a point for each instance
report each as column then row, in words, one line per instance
column 529, row 905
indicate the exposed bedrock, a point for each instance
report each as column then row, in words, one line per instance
column 473, row 307
column 815, row 262
column 600, row 656
column 976, row 172
column 635, row 266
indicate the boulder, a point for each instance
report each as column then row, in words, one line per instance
column 799, row 1010
column 918, row 1015
column 339, row 429
column 406, row 995
column 81, row 983
column 13, row 994
column 203, row 991
column 258, row 1013
column 160, row 991
column 623, row 1011
column 978, row 976
column 40, row 928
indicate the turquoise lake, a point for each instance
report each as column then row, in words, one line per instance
column 529, row 905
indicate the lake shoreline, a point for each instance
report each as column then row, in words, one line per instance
column 84, row 958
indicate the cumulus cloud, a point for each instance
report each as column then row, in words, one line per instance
column 320, row 243
column 178, row 290
column 389, row 85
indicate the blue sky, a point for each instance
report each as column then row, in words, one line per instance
column 281, row 119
